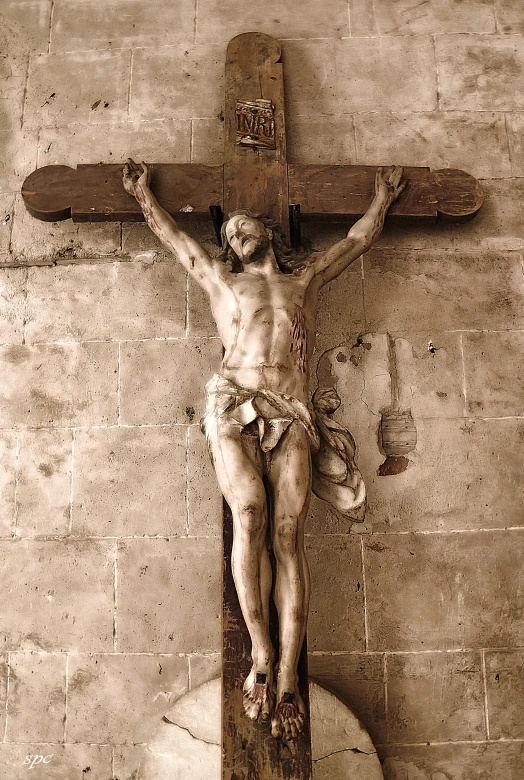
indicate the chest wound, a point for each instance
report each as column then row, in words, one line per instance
column 298, row 346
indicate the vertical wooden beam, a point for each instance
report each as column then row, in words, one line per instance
column 255, row 176
column 249, row 752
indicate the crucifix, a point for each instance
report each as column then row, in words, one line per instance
column 269, row 444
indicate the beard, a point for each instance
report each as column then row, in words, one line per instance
column 257, row 252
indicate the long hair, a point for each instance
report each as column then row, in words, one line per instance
column 287, row 260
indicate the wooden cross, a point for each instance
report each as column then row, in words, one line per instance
column 255, row 174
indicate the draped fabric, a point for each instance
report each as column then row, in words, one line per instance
column 336, row 478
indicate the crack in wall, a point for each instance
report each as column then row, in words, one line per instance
column 185, row 728
column 345, row 750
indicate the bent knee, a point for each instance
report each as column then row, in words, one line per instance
column 250, row 517
column 285, row 539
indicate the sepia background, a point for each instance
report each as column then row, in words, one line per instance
column 109, row 515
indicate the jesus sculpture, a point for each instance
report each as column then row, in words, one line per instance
column 268, row 443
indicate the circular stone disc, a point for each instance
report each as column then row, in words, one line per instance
column 188, row 742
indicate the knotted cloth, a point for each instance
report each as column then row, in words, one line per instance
column 336, row 478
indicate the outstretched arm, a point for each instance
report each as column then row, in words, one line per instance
column 191, row 254
column 363, row 233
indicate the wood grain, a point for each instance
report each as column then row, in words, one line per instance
column 331, row 192
column 325, row 193
column 249, row 752
column 255, row 178
column 94, row 193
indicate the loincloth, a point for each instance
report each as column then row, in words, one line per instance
column 268, row 414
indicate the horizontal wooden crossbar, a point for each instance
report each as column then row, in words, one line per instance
column 94, row 193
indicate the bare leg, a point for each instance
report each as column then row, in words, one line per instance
column 290, row 476
column 239, row 477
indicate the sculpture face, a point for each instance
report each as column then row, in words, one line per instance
column 248, row 237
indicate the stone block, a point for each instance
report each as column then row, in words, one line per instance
column 40, row 243
column 139, row 238
column 359, row 370
column 397, row 75
column 3, row 691
column 13, row 73
column 203, row 668
column 119, row 24
column 8, row 457
column 127, row 761
column 181, row 81
column 358, row 681
column 222, row 22
column 43, row 491
column 336, row 616
column 457, row 761
column 25, row 26
column 311, row 87
column 207, row 140
column 480, row 72
column 498, row 226
column 509, row 17
column 12, row 305
column 169, row 596
column 429, row 374
column 114, row 142
column 462, row 475
column 380, row 17
column 321, row 140
column 107, row 301
column 515, row 125
column 162, row 382
column 437, row 697
column 7, row 203
column 427, row 235
column 59, row 94
column 36, row 705
column 63, row 762
column 204, row 497
column 129, row 481
column 410, row 291
column 444, row 591
column 505, row 693
column 17, row 158
column 324, row 519
column 200, row 321
column 340, row 314
column 120, row 699
column 71, row 612
column 472, row 142
column 494, row 368
column 59, row 385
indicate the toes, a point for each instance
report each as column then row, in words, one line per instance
column 251, row 710
column 265, row 713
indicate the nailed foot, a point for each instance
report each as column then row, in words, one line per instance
column 259, row 698
column 289, row 716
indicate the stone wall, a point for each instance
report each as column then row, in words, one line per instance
column 109, row 516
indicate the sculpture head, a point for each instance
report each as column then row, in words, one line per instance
column 246, row 236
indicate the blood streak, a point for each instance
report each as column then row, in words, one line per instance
column 299, row 338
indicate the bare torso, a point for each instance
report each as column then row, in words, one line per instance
column 266, row 320
column 267, row 327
